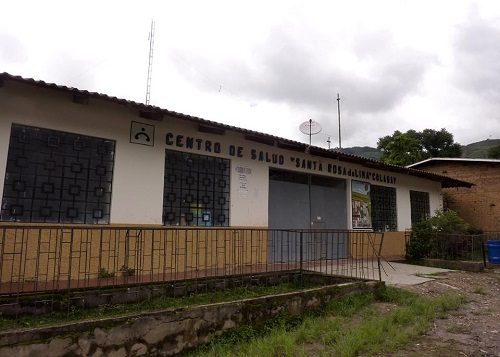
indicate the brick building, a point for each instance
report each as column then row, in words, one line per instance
column 479, row 205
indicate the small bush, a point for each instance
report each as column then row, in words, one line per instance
column 419, row 245
column 126, row 271
column 475, row 231
column 104, row 274
column 431, row 235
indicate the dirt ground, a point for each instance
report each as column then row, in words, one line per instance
column 474, row 330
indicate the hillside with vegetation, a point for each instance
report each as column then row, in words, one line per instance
column 478, row 150
column 363, row 151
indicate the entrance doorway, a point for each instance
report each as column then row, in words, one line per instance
column 300, row 201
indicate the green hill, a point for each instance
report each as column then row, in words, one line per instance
column 480, row 149
column 477, row 150
column 363, row 151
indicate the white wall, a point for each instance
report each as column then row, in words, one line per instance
column 411, row 183
column 137, row 195
column 138, row 170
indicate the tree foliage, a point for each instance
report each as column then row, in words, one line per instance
column 412, row 146
column 402, row 150
column 427, row 235
column 494, row 152
column 439, row 144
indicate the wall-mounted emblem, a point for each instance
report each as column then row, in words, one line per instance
column 143, row 134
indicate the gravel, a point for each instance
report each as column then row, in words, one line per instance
column 473, row 330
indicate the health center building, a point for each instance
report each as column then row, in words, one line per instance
column 69, row 156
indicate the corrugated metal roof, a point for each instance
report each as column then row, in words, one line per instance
column 249, row 134
column 434, row 160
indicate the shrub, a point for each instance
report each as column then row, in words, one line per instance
column 104, row 274
column 428, row 234
column 475, row 231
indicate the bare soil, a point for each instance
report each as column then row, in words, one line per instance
column 474, row 330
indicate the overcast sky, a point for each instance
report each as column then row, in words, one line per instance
column 271, row 65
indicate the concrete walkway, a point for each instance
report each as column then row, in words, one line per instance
column 406, row 274
column 392, row 273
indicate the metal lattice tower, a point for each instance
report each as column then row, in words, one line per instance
column 150, row 65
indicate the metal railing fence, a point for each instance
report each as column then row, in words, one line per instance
column 464, row 247
column 45, row 261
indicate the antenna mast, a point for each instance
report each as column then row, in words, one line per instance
column 150, row 65
column 338, row 109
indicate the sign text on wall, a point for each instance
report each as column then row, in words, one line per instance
column 208, row 146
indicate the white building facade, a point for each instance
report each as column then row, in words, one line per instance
column 73, row 157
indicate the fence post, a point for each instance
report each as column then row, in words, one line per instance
column 301, row 249
column 379, row 253
column 484, row 253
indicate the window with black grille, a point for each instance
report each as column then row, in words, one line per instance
column 196, row 190
column 420, row 207
column 57, row 177
column 384, row 212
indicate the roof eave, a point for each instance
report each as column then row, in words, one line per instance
column 157, row 113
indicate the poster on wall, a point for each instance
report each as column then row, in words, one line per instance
column 361, row 205
column 243, row 175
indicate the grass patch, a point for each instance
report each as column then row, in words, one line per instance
column 76, row 313
column 438, row 273
column 481, row 312
column 480, row 290
column 458, row 329
column 345, row 328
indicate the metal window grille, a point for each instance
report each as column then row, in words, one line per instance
column 384, row 212
column 57, row 177
column 420, row 207
column 196, row 190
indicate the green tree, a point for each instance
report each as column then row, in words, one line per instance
column 412, row 146
column 402, row 150
column 439, row 144
column 494, row 152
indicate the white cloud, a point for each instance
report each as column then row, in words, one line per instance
column 269, row 66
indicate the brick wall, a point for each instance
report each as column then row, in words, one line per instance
column 479, row 205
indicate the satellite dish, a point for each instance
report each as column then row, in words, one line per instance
column 310, row 127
